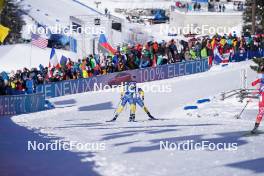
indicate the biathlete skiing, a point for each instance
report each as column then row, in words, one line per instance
column 132, row 95
column 259, row 81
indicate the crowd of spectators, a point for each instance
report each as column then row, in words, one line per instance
column 210, row 6
column 188, row 6
column 216, row 8
column 128, row 57
column 238, row 6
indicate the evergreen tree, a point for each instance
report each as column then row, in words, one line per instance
column 11, row 17
column 247, row 17
column 259, row 67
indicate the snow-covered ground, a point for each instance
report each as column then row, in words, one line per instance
column 133, row 149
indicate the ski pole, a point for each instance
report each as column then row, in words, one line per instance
column 239, row 115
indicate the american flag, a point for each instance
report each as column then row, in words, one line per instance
column 39, row 41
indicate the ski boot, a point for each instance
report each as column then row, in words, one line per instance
column 255, row 129
column 114, row 119
column 132, row 118
column 151, row 117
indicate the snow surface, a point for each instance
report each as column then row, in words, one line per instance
column 133, row 149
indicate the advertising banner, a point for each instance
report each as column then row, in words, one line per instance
column 94, row 83
column 19, row 104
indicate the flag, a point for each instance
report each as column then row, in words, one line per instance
column 53, row 62
column 218, row 58
column 4, row 31
column 213, row 43
column 73, row 45
column 63, row 61
column 53, row 59
column 38, row 41
column 103, row 42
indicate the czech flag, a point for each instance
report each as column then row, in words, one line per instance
column 103, row 42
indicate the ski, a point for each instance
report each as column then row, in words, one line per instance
column 151, row 119
column 132, row 121
column 247, row 134
column 110, row 120
column 138, row 121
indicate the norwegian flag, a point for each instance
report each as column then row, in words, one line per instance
column 38, row 41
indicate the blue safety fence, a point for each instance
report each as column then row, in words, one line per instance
column 20, row 104
column 244, row 55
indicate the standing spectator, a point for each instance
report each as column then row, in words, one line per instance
column 193, row 53
column 102, row 63
column 198, row 48
column 84, row 69
column 187, row 55
column 92, row 63
column 224, row 7
column 109, row 65
column 173, row 51
column 30, row 85
column 2, row 86
column 199, row 6
column 210, row 52
column 195, row 6
column 106, row 11
column 145, row 60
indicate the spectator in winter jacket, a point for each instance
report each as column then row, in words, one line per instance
column 193, row 53
column 2, row 86
column 145, row 60
column 187, row 55
column 102, row 63
column 132, row 61
column 92, row 62
column 197, row 49
column 173, row 50
column 30, row 86
column 204, row 53
column 210, row 52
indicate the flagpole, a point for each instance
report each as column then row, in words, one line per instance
column 30, row 52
